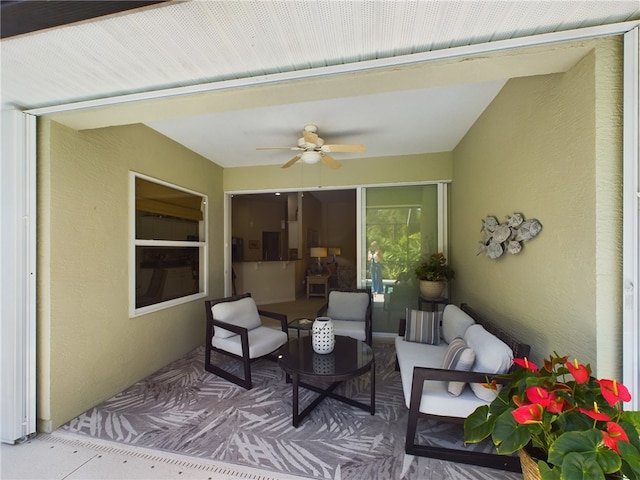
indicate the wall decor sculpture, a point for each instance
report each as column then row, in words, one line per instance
column 498, row 238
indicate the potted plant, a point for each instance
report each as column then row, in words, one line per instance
column 434, row 273
column 571, row 422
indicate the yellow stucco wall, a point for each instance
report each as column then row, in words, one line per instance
column 548, row 147
column 89, row 348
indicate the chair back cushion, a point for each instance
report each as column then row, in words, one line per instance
column 348, row 305
column 492, row 356
column 243, row 313
column 454, row 323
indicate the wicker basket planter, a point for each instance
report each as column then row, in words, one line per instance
column 429, row 289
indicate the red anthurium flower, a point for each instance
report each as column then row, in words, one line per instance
column 538, row 395
column 613, row 435
column 545, row 398
column 525, row 363
column 613, row 391
column 579, row 371
column 555, row 404
column 596, row 414
column 528, row 414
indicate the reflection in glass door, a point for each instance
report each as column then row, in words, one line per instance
column 406, row 223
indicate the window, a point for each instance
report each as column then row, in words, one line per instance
column 169, row 245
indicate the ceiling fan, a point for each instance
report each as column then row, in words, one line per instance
column 313, row 149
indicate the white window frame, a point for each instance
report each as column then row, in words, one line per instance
column 202, row 245
column 631, row 222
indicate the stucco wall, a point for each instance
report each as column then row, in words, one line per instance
column 89, row 348
column 534, row 151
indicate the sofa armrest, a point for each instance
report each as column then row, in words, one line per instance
column 420, row 374
column 284, row 325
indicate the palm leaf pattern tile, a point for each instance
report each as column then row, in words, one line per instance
column 186, row 410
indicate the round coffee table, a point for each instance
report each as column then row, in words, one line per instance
column 350, row 358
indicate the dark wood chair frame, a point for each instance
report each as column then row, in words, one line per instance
column 244, row 339
column 420, row 374
column 368, row 322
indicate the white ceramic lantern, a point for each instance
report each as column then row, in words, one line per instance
column 323, row 338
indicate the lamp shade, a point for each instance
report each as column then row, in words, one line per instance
column 335, row 251
column 319, row 252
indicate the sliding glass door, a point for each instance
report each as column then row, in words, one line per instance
column 400, row 225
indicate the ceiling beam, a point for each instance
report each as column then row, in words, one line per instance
column 18, row 17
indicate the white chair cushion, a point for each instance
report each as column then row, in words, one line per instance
column 422, row 326
column 243, row 313
column 436, row 400
column 262, row 340
column 492, row 356
column 350, row 328
column 348, row 305
column 458, row 357
column 454, row 323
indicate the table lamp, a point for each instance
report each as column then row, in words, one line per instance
column 319, row 252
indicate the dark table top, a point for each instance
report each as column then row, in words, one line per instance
column 349, row 358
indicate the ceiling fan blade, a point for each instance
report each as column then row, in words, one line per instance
column 310, row 137
column 329, row 161
column 292, row 161
column 343, row 148
column 278, row 148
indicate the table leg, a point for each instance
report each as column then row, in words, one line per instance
column 373, row 388
column 296, row 380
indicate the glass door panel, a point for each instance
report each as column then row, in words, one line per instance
column 404, row 224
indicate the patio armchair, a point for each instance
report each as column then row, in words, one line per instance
column 350, row 311
column 235, row 329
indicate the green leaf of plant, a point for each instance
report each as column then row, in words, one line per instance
column 509, row 435
column 580, row 467
column 630, row 460
column 548, row 473
column 589, row 445
column 478, row 425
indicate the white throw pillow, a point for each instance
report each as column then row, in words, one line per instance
column 243, row 313
column 454, row 323
column 458, row 357
column 422, row 327
column 492, row 356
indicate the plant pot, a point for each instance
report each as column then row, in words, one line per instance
column 429, row 289
column 530, row 470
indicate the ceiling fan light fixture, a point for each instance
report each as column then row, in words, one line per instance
column 311, row 157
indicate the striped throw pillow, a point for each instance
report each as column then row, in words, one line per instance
column 458, row 357
column 422, row 327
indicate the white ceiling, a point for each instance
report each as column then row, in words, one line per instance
column 185, row 44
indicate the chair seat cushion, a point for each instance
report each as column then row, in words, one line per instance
column 436, row 400
column 262, row 340
column 243, row 313
column 350, row 328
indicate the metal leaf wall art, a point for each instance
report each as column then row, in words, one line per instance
column 498, row 238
